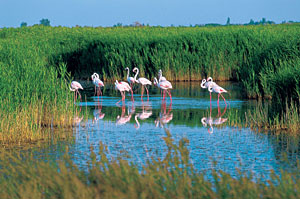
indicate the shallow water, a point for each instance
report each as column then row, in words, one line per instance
column 139, row 127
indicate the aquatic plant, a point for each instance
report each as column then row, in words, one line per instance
column 172, row 176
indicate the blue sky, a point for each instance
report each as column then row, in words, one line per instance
column 153, row 12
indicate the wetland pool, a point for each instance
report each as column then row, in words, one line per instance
column 139, row 128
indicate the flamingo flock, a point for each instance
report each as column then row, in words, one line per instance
column 162, row 83
column 165, row 87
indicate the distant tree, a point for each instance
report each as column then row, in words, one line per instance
column 228, row 21
column 263, row 21
column 251, row 22
column 45, row 22
column 118, row 25
column 23, row 24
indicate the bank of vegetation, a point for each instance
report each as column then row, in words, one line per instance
column 172, row 176
column 37, row 64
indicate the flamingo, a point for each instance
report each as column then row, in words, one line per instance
column 122, row 87
column 217, row 89
column 98, row 83
column 206, row 83
column 131, row 81
column 164, row 85
column 143, row 81
column 75, row 86
column 160, row 77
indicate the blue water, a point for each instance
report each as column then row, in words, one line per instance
column 139, row 128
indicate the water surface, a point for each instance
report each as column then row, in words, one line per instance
column 139, row 128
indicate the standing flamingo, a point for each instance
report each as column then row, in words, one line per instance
column 206, row 83
column 98, row 83
column 75, row 86
column 164, row 85
column 143, row 81
column 131, row 81
column 160, row 77
column 218, row 89
column 122, row 87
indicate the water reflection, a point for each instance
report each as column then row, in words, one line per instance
column 189, row 116
column 77, row 118
column 98, row 115
column 164, row 116
column 145, row 114
column 123, row 119
column 210, row 121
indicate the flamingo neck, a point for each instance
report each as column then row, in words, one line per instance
column 137, row 122
column 136, row 74
column 127, row 72
column 72, row 89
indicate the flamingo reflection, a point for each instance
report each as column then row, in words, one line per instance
column 123, row 119
column 145, row 114
column 210, row 121
column 164, row 116
column 98, row 115
column 77, row 119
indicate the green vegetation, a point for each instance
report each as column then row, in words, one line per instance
column 174, row 176
column 35, row 61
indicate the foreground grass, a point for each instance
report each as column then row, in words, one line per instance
column 171, row 177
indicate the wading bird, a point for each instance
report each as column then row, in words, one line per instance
column 98, row 84
column 217, row 89
column 131, row 81
column 122, row 87
column 160, row 77
column 164, row 85
column 143, row 81
column 75, row 86
column 206, row 83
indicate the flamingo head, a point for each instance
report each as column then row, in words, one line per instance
column 209, row 79
column 203, row 121
column 155, row 82
column 127, row 68
column 135, row 69
column 203, row 82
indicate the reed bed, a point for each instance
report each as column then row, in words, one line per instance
column 172, row 176
column 37, row 63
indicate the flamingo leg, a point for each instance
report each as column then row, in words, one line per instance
column 169, row 92
column 218, row 105
column 210, row 98
column 95, row 91
column 147, row 93
column 224, row 100
column 79, row 95
column 121, row 98
column 142, row 92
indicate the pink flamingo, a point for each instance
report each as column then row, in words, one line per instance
column 164, row 85
column 131, row 81
column 218, row 89
column 98, row 83
column 75, row 86
column 206, row 83
column 122, row 87
column 143, row 81
column 160, row 77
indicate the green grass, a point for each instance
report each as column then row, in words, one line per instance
column 173, row 176
column 37, row 63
